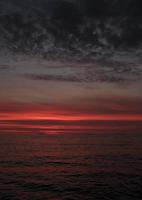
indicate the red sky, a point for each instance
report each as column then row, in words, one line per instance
column 103, row 116
column 63, row 97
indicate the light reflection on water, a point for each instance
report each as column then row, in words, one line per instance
column 57, row 167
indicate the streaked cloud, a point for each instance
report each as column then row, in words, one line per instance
column 73, row 127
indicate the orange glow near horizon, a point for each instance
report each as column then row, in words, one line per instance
column 19, row 123
column 68, row 117
column 36, row 118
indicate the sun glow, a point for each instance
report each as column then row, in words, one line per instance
column 67, row 117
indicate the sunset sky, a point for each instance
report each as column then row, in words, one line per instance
column 85, row 77
column 34, row 99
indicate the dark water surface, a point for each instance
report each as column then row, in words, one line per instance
column 66, row 167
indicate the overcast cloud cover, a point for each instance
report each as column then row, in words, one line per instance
column 107, row 32
column 69, row 26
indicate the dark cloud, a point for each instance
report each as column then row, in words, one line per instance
column 83, row 123
column 86, row 78
column 102, row 70
column 47, row 77
column 84, row 30
column 53, row 27
column 4, row 67
column 63, row 126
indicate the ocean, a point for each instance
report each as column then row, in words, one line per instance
column 71, row 167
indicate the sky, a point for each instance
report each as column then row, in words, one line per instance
column 70, row 66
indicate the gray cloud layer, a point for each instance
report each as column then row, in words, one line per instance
column 84, row 27
column 85, row 30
